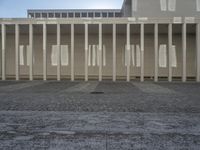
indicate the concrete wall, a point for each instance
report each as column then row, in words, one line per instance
column 151, row 8
column 107, row 40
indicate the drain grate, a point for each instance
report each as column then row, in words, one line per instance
column 96, row 92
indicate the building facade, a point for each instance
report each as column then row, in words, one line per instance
column 145, row 40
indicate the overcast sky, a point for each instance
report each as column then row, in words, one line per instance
column 17, row 8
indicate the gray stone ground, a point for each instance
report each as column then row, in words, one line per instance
column 127, row 116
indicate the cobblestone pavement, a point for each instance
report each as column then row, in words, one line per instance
column 99, row 116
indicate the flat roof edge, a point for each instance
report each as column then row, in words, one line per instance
column 121, row 20
column 68, row 10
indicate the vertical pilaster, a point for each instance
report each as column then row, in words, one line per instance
column 17, row 51
column 72, row 52
column 132, row 7
column 3, row 28
column 156, row 52
column 128, row 52
column 31, row 52
column 59, row 56
column 114, row 52
column 170, row 52
column 44, row 52
column 198, row 52
column 86, row 52
column 100, row 52
column 184, row 46
column 142, row 51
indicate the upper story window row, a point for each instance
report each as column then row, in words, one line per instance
column 168, row 5
column 74, row 15
column 165, row 5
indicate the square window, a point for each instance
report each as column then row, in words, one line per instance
column 44, row 15
column 57, row 15
column 110, row 14
column 104, row 15
column 37, row 15
column 77, row 15
column 91, row 15
column 71, row 15
column 84, row 14
column 51, row 15
column 97, row 14
column 117, row 15
column 64, row 15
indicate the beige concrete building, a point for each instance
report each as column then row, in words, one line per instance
column 145, row 40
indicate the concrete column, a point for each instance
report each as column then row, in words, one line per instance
column 31, row 52
column 156, row 52
column 72, row 52
column 198, row 52
column 3, row 32
column 128, row 52
column 114, row 52
column 59, row 56
column 170, row 52
column 100, row 52
column 86, row 52
column 184, row 47
column 44, row 52
column 17, row 51
column 142, row 51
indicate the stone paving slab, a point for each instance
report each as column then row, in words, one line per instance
column 116, row 87
column 116, row 97
column 19, row 86
column 153, row 88
column 7, row 83
column 66, row 115
column 183, row 88
column 85, row 87
column 46, row 87
column 80, row 130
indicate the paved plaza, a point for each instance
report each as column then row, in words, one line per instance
column 99, row 115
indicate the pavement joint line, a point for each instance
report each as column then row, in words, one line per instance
column 20, row 86
column 153, row 88
column 79, row 122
